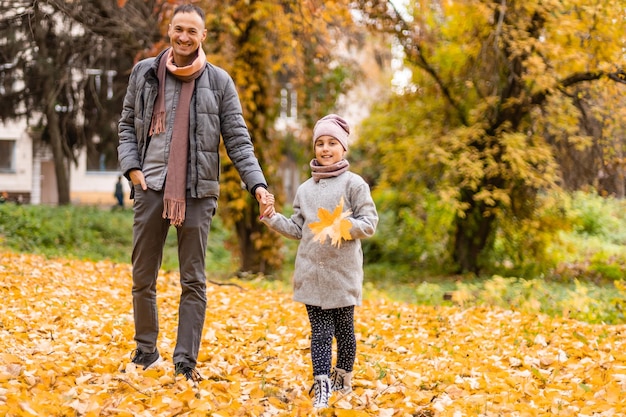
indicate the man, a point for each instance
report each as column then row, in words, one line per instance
column 175, row 108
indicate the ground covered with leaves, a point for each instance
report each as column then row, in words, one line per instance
column 66, row 335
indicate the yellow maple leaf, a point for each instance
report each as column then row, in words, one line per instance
column 333, row 225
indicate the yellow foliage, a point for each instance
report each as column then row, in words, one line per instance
column 268, row 46
column 66, row 337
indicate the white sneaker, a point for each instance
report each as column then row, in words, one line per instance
column 322, row 392
column 341, row 381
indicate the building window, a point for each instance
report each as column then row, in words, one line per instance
column 7, row 155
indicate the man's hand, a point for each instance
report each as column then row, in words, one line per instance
column 136, row 177
column 266, row 202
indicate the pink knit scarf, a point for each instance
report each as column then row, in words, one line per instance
column 174, row 203
column 328, row 171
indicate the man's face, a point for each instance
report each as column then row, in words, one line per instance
column 186, row 32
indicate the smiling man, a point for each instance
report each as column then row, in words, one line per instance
column 186, row 34
column 176, row 108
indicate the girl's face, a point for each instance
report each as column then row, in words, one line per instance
column 328, row 150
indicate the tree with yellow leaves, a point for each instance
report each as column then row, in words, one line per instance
column 269, row 46
column 494, row 84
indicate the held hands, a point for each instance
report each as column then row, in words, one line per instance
column 266, row 202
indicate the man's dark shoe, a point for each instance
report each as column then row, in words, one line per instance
column 190, row 373
column 147, row 360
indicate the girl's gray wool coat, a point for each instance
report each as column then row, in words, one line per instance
column 325, row 275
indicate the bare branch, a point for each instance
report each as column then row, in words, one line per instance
column 385, row 17
column 618, row 76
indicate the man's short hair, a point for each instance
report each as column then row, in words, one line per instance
column 190, row 8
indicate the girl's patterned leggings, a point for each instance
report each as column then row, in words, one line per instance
column 326, row 324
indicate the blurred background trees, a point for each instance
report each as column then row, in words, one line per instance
column 507, row 101
column 283, row 58
column 64, row 68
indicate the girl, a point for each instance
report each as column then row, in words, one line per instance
column 328, row 274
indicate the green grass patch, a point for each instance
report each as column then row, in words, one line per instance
column 92, row 233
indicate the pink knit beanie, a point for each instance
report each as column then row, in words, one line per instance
column 332, row 125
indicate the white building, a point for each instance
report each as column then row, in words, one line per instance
column 27, row 172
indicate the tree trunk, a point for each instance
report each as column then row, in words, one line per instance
column 247, row 229
column 471, row 236
column 60, row 162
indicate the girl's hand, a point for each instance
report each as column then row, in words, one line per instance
column 266, row 205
